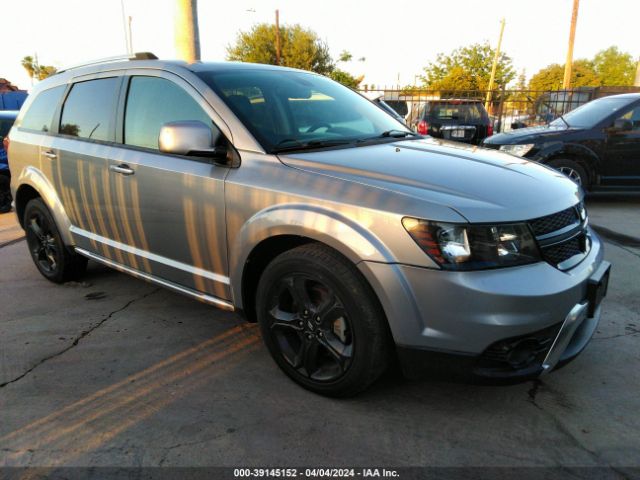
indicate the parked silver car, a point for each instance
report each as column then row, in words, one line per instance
column 288, row 197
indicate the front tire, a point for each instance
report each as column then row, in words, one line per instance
column 321, row 322
column 49, row 253
column 573, row 170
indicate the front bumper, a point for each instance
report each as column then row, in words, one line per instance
column 466, row 320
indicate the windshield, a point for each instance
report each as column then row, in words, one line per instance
column 285, row 109
column 592, row 113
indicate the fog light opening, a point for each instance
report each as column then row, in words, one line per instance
column 523, row 353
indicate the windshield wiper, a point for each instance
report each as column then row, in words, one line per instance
column 309, row 145
column 565, row 122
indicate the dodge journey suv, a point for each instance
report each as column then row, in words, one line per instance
column 287, row 197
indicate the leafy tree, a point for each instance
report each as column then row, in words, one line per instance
column 345, row 78
column 614, row 67
column 468, row 68
column 551, row 77
column 35, row 70
column 345, row 56
column 300, row 48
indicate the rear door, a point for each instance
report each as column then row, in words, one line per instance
column 78, row 158
column 622, row 157
column 170, row 209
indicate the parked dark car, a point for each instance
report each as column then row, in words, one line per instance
column 462, row 120
column 7, row 117
column 597, row 145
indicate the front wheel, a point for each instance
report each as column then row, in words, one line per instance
column 321, row 322
column 572, row 169
column 50, row 255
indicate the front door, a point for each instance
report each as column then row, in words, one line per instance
column 622, row 162
column 170, row 209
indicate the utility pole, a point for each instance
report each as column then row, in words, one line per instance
column 127, row 30
column 566, row 83
column 130, row 44
column 187, row 36
column 496, row 57
column 277, row 37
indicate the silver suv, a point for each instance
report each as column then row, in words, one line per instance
column 294, row 200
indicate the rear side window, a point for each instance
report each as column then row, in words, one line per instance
column 88, row 111
column 151, row 103
column 40, row 113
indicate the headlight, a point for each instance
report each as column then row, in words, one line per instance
column 474, row 247
column 517, row 150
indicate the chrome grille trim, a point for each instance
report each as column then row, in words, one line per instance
column 562, row 237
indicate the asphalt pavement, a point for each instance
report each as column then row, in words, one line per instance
column 112, row 371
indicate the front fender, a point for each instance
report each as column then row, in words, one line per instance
column 34, row 178
column 558, row 149
column 332, row 228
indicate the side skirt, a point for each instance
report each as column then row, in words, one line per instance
column 202, row 297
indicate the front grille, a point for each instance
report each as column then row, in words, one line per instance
column 554, row 222
column 556, row 254
column 568, row 242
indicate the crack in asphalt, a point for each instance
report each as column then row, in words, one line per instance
column 560, row 427
column 631, row 333
column 78, row 338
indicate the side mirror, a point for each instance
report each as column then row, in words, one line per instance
column 190, row 137
column 622, row 125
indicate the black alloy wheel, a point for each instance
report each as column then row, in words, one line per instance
column 310, row 327
column 50, row 255
column 321, row 321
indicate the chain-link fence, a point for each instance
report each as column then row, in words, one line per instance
column 508, row 109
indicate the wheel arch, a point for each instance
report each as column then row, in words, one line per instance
column 33, row 184
column 276, row 230
column 576, row 152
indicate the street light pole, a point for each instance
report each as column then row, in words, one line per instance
column 494, row 67
column 187, row 36
column 566, row 83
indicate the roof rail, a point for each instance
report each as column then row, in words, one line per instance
column 117, row 58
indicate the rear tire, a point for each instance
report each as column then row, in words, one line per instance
column 5, row 194
column 321, row 321
column 572, row 169
column 49, row 253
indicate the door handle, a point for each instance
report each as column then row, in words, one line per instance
column 122, row 169
column 49, row 154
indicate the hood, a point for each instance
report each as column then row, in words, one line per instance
column 481, row 185
column 529, row 135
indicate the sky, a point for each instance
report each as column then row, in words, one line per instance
column 397, row 38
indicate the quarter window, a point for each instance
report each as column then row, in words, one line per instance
column 154, row 101
column 40, row 113
column 89, row 109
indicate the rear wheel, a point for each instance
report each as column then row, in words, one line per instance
column 52, row 258
column 5, row 194
column 572, row 169
column 321, row 322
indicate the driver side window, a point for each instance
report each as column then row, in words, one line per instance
column 154, row 101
